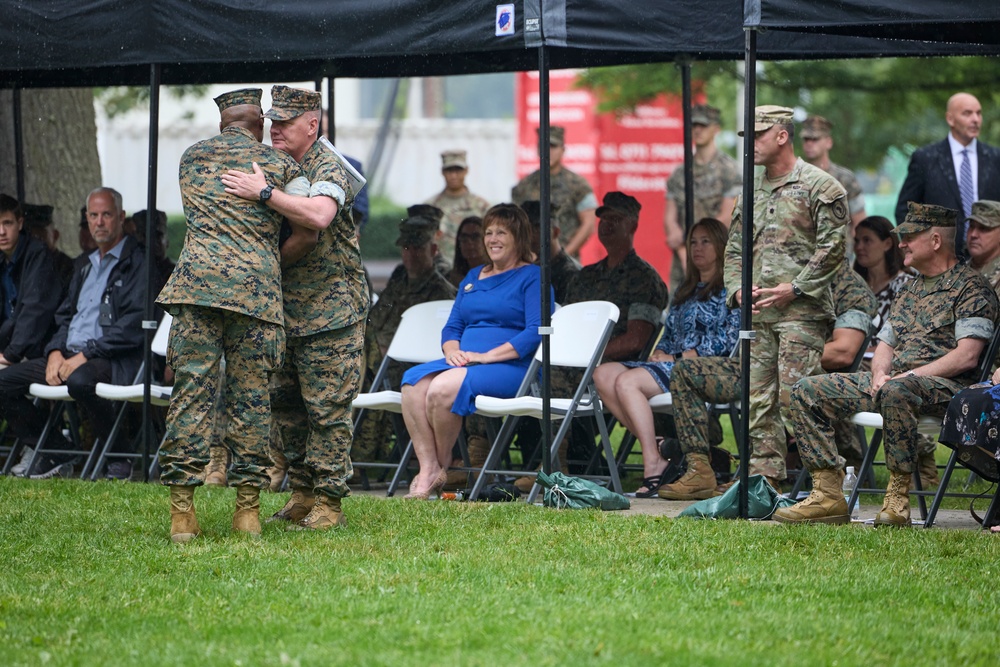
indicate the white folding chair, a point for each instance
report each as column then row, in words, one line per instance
column 417, row 340
column 581, row 331
column 134, row 393
column 59, row 395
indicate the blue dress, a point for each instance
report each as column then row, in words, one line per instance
column 488, row 312
column 708, row 327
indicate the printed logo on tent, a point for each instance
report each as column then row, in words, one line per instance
column 505, row 20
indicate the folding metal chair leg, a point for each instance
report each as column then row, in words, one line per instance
column 501, row 441
column 404, row 462
column 800, row 481
column 105, row 447
column 942, row 489
column 992, row 510
column 15, row 450
column 609, row 454
column 866, row 465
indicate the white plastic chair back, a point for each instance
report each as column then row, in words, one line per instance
column 577, row 331
column 418, row 337
column 159, row 345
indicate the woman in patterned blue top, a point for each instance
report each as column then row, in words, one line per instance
column 698, row 325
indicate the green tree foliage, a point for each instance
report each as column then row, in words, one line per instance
column 117, row 100
column 873, row 104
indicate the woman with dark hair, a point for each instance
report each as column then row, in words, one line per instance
column 469, row 249
column 879, row 261
column 698, row 325
column 488, row 343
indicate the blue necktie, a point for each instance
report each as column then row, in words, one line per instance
column 965, row 183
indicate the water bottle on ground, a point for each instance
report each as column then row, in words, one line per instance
column 850, row 481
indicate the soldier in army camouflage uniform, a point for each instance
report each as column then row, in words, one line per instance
column 624, row 279
column 562, row 267
column 717, row 182
column 225, row 295
column 457, row 202
column 800, row 216
column 983, row 241
column 569, row 191
column 817, row 140
column 928, row 350
column 326, row 301
column 696, row 382
column 420, row 282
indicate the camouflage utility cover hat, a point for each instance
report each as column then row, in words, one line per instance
column 703, row 114
column 815, row 127
column 453, row 160
column 985, row 212
column 288, row 103
column 769, row 115
column 921, row 217
column 622, row 203
column 239, row 97
column 421, row 226
column 557, row 135
column 533, row 209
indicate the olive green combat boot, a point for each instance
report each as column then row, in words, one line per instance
column 896, row 506
column 246, row 519
column 325, row 514
column 296, row 509
column 697, row 483
column 825, row 504
column 183, row 523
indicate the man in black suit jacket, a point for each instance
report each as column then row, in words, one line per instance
column 934, row 169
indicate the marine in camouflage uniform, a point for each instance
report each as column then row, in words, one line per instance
column 458, row 202
column 716, row 180
column 702, row 380
column 326, row 301
column 930, row 318
column 562, row 267
column 404, row 290
column 570, row 193
column 225, row 295
column 799, row 223
column 983, row 241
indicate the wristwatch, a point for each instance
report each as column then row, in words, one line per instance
column 265, row 194
column 796, row 290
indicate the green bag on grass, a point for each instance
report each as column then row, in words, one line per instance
column 762, row 501
column 563, row 491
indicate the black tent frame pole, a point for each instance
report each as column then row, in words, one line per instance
column 545, row 250
column 688, row 149
column 331, row 116
column 149, row 319
column 746, row 315
column 18, row 144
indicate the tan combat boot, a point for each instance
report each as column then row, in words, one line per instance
column 896, row 506
column 296, row 509
column 697, row 483
column 927, row 467
column 326, row 514
column 215, row 472
column 246, row 519
column 825, row 504
column 183, row 523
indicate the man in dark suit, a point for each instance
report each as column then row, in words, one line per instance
column 935, row 172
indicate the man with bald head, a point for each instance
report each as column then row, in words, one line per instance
column 225, row 296
column 954, row 172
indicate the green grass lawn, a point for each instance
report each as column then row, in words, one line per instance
column 90, row 578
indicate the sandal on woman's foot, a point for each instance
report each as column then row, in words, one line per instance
column 995, row 529
column 651, row 484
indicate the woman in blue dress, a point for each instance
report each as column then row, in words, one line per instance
column 488, row 344
column 698, row 325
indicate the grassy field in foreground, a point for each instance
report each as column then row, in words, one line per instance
column 90, row 578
